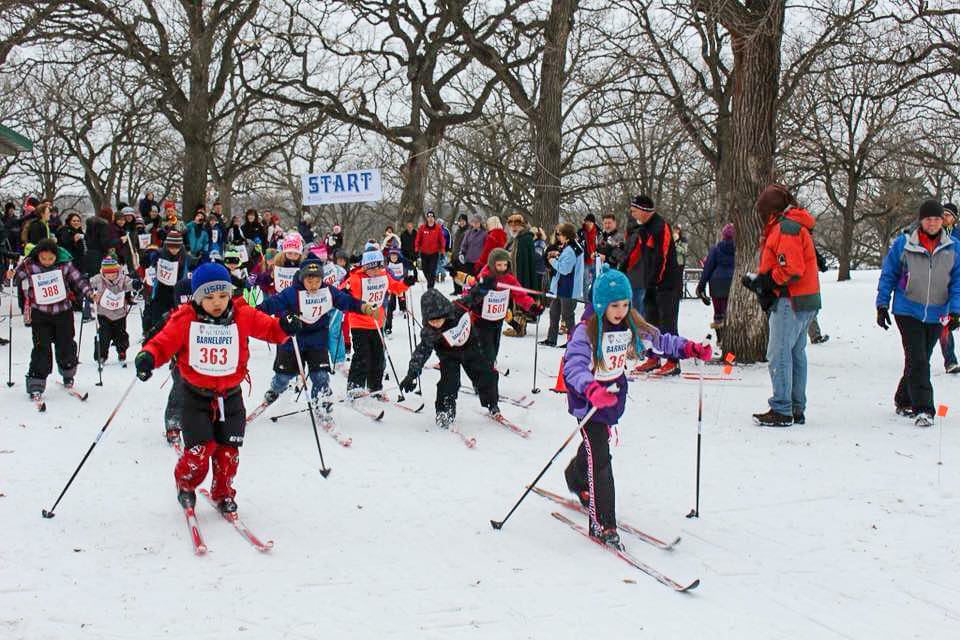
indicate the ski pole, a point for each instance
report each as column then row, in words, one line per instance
column 80, row 338
column 413, row 319
column 499, row 524
column 324, row 471
column 536, row 352
column 50, row 513
column 695, row 512
column 97, row 347
column 386, row 350
column 10, row 347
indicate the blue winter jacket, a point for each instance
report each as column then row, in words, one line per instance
column 924, row 286
column 578, row 367
column 718, row 269
column 314, row 335
column 567, row 281
column 196, row 239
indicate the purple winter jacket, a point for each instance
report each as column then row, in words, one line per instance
column 578, row 371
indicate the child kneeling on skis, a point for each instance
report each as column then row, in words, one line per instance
column 111, row 290
column 312, row 300
column 449, row 331
column 45, row 277
column 209, row 338
column 595, row 359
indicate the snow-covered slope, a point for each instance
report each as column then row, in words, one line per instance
column 840, row 528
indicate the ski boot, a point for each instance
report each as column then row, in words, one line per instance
column 355, row 392
column 187, row 498
column 954, row 368
column 172, row 435
column 270, row 396
column 607, row 536
column 227, row 506
column 445, row 419
column 906, row 411
column 924, row 420
column 670, row 368
column 68, row 382
column 650, row 364
column 494, row 410
column 122, row 357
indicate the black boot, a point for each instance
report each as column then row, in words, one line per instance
column 227, row 505
column 187, row 499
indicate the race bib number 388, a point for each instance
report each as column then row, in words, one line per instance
column 49, row 288
column 214, row 349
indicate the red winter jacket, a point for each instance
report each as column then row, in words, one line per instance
column 789, row 257
column 495, row 239
column 430, row 240
column 173, row 339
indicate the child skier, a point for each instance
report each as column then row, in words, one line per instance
column 167, row 267
column 45, row 277
column 312, row 300
column 491, row 308
column 371, row 284
column 334, row 273
column 285, row 267
column 596, row 357
column 111, row 290
column 448, row 330
column 209, row 337
column 397, row 268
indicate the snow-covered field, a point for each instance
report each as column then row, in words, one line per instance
column 845, row 527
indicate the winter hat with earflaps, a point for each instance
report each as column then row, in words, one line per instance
column 497, row 255
column 208, row 279
column 434, row 304
column 610, row 286
column 109, row 265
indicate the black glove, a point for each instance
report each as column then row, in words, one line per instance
column 883, row 318
column 954, row 322
column 487, row 282
column 408, row 384
column 291, row 324
column 703, row 296
column 536, row 310
column 821, row 261
column 144, row 364
column 136, row 285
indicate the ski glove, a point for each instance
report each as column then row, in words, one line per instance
column 144, row 364
column 599, row 397
column 883, row 318
column 408, row 384
column 954, row 322
column 136, row 285
column 699, row 351
column 291, row 324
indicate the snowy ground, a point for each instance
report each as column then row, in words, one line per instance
column 840, row 528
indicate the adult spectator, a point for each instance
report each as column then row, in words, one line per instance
column 71, row 238
column 610, row 244
column 496, row 238
column 788, row 284
column 664, row 281
column 152, row 219
column 523, row 260
column 390, row 240
column 196, row 240
column 334, row 240
column 408, row 243
column 275, row 231
column 718, row 273
column 540, row 257
column 429, row 245
column 125, row 221
column 456, row 252
column 235, row 233
column 680, row 241
column 39, row 227
column 472, row 246
column 216, row 232
column 146, row 205
column 304, row 228
column 813, row 331
column 566, row 286
column 922, row 270
column 253, row 229
column 636, row 257
column 587, row 235
column 8, row 239
column 947, row 346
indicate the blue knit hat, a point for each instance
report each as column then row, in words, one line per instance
column 371, row 258
column 610, row 286
column 210, row 278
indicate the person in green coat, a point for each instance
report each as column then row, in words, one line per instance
column 524, row 260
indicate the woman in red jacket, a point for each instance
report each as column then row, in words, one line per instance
column 496, row 239
column 209, row 339
column 430, row 243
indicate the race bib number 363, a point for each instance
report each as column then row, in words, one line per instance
column 614, row 351
column 214, row 350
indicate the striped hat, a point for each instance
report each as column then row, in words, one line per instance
column 109, row 265
column 173, row 239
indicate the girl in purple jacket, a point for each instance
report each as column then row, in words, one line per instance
column 596, row 358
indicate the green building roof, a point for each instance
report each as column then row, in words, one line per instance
column 12, row 142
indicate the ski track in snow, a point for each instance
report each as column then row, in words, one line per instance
column 836, row 529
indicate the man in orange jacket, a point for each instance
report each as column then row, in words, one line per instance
column 371, row 284
column 788, row 283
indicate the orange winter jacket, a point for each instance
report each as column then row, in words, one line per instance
column 790, row 259
column 355, row 284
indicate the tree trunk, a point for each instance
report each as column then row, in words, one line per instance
column 548, row 122
column 846, row 244
column 194, row 173
column 414, row 174
column 225, row 196
column 755, row 39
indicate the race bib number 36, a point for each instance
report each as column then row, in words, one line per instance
column 214, row 349
column 49, row 288
column 458, row 335
column 495, row 305
column 314, row 305
column 374, row 290
column 614, row 351
column 167, row 272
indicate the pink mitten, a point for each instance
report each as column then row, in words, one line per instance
column 700, row 351
column 599, row 396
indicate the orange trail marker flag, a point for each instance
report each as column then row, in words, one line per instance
column 942, row 410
